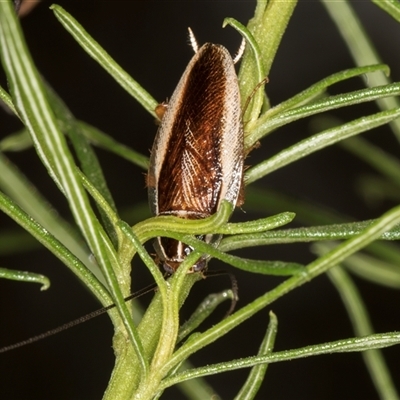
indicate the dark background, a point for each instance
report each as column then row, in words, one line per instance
column 149, row 40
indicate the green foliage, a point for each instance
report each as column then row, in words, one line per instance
column 147, row 357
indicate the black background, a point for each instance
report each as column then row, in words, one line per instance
column 149, row 40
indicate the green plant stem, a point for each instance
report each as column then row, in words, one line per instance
column 144, row 255
column 125, row 378
column 178, row 284
column 258, row 98
column 267, row 27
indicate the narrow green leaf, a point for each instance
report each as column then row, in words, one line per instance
column 308, row 95
column 259, row 225
column 377, row 367
column 6, row 99
column 375, row 270
column 377, row 341
column 145, row 229
column 23, row 192
column 203, row 311
column 320, row 87
column 104, row 59
column 106, row 142
column 216, row 224
column 306, row 234
column 267, row 123
column 144, row 255
column 253, row 383
column 361, row 49
column 392, row 7
column 277, row 268
column 370, row 268
column 42, row 234
column 24, row 276
column 161, row 226
column 17, row 141
column 380, row 160
column 85, row 154
column 264, row 200
column 318, row 142
column 14, row 241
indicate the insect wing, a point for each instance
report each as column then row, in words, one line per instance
column 197, row 157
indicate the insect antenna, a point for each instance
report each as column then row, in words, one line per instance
column 75, row 322
column 193, row 41
column 254, row 91
column 234, row 287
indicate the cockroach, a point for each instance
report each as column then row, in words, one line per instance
column 197, row 157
